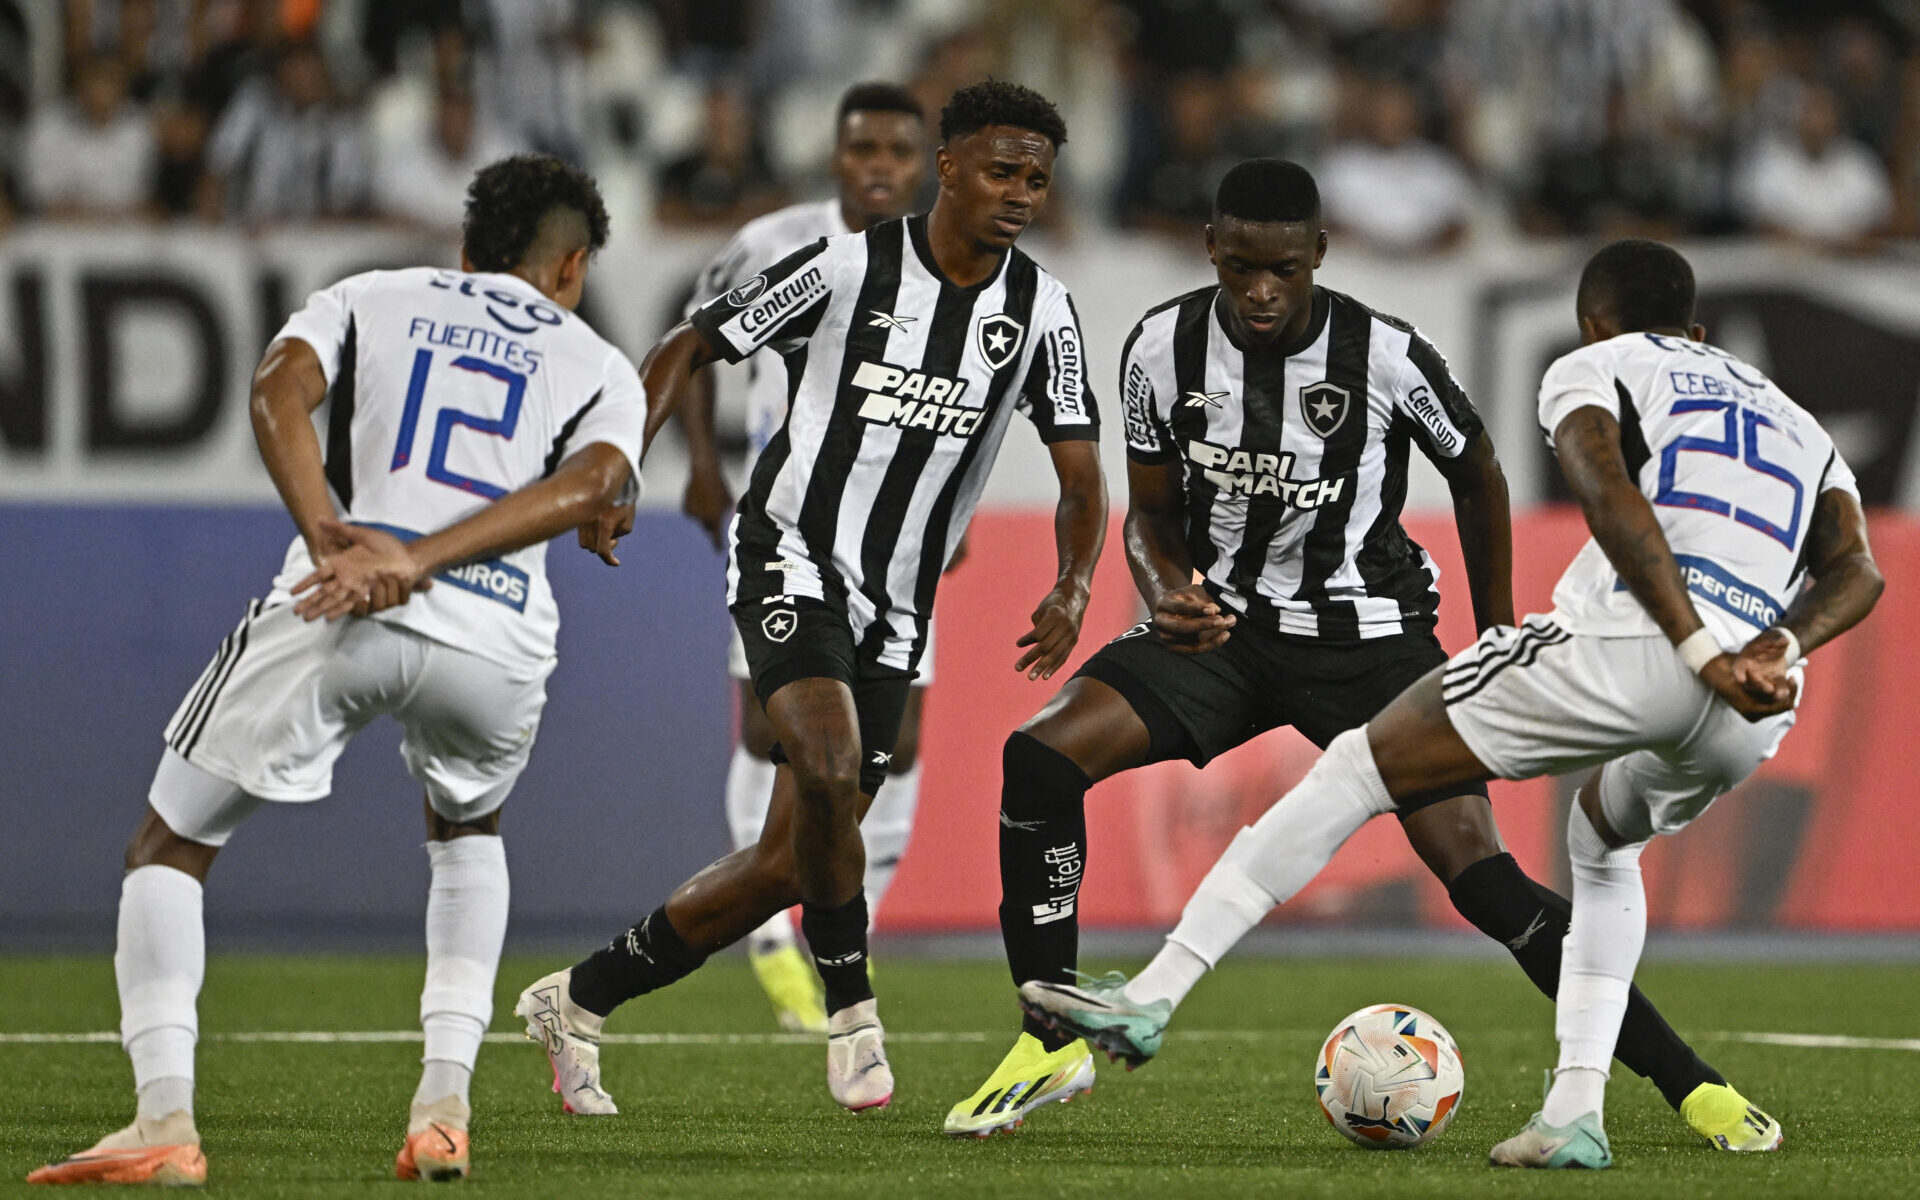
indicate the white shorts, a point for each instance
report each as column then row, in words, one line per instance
column 1539, row 700
column 737, row 656
column 283, row 697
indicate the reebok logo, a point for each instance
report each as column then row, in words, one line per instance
column 888, row 320
column 1210, row 399
column 912, row 399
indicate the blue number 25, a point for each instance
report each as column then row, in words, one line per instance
column 1740, row 440
column 449, row 417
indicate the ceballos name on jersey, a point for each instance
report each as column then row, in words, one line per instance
column 1259, row 473
column 915, row 400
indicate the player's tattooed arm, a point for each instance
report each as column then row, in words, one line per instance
column 1484, row 521
column 1187, row 619
column 288, row 386
column 1079, row 530
column 1846, row 581
column 1587, row 443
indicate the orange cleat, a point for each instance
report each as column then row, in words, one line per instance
column 163, row 1165
column 438, row 1153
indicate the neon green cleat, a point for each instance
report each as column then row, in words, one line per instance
column 1728, row 1120
column 1099, row 1011
column 1026, row 1078
column 795, row 991
column 1581, row 1145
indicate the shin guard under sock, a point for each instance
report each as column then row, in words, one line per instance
column 1043, row 840
column 647, row 957
column 837, row 939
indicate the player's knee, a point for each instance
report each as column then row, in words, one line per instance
column 826, row 770
column 155, row 844
column 1039, row 780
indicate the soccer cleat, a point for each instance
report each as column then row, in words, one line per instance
column 1581, row 1145
column 571, row 1036
column 1099, row 1011
column 436, row 1145
column 1728, row 1120
column 164, row 1152
column 857, row 1070
column 792, row 986
column 1026, row 1078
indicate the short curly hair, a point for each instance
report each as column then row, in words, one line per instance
column 509, row 199
column 997, row 102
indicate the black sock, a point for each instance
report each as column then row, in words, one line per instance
column 1531, row 920
column 837, row 938
column 1043, row 848
column 647, row 957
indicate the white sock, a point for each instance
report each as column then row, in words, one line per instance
column 1597, row 960
column 1276, row 856
column 466, row 924
column 749, row 794
column 1170, row 976
column 159, row 962
column 886, row 830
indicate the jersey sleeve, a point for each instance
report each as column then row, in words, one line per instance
column 324, row 321
column 1838, row 477
column 1575, row 381
column 1433, row 401
column 1149, row 441
column 782, row 303
column 1056, row 396
column 616, row 415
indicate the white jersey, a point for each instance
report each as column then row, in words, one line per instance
column 760, row 243
column 1732, row 466
column 447, row 391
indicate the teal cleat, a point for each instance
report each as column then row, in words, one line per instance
column 1580, row 1146
column 1099, row 1011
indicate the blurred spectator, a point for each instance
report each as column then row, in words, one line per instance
column 1391, row 188
column 181, row 187
column 93, row 155
column 530, row 71
column 389, row 22
column 728, row 180
column 1622, row 184
column 423, row 178
column 1170, row 188
column 285, row 150
column 709, row 39
column 1815, row 183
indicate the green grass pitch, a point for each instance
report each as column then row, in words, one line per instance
column 1226, row 1111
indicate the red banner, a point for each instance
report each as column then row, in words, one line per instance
column 1820, row 838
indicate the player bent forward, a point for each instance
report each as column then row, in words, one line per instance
column 462, row 667
column 1646, row 668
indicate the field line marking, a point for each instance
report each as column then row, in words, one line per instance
column 323, row 1037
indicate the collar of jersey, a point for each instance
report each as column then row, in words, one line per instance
column 1315, row 324
column 917, row 234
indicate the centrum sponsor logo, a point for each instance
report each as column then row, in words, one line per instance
column 789, row 297
column 1258, row 473
column 1426, row 408
column 915, row 400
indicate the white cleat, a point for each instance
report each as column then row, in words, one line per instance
column 857, row 1070
column 571, row 1036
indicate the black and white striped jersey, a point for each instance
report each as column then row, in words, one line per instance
column 1295, row 458
column 901, row 387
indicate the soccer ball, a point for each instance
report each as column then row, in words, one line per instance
column 1389, row 1077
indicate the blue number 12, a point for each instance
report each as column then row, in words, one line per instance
column 503, row 427
column 1741, row 440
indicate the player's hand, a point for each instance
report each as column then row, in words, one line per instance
column 709, row 502
column 1189, row 621
column 603, row 533
column 375, row 571
column 1056, row 629
column 1761, row 666
column 1758, row 696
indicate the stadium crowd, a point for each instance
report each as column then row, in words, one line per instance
column 1428, row 121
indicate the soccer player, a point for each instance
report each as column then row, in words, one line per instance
column 1670, row 660
column 1268, row 422
column 908, row 347
column 472, row 417
column 879, row 159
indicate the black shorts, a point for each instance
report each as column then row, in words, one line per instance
column 797, row 637
column 1199, row 706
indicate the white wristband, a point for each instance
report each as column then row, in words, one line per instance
column 1698, row 650
column 1793, row 654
